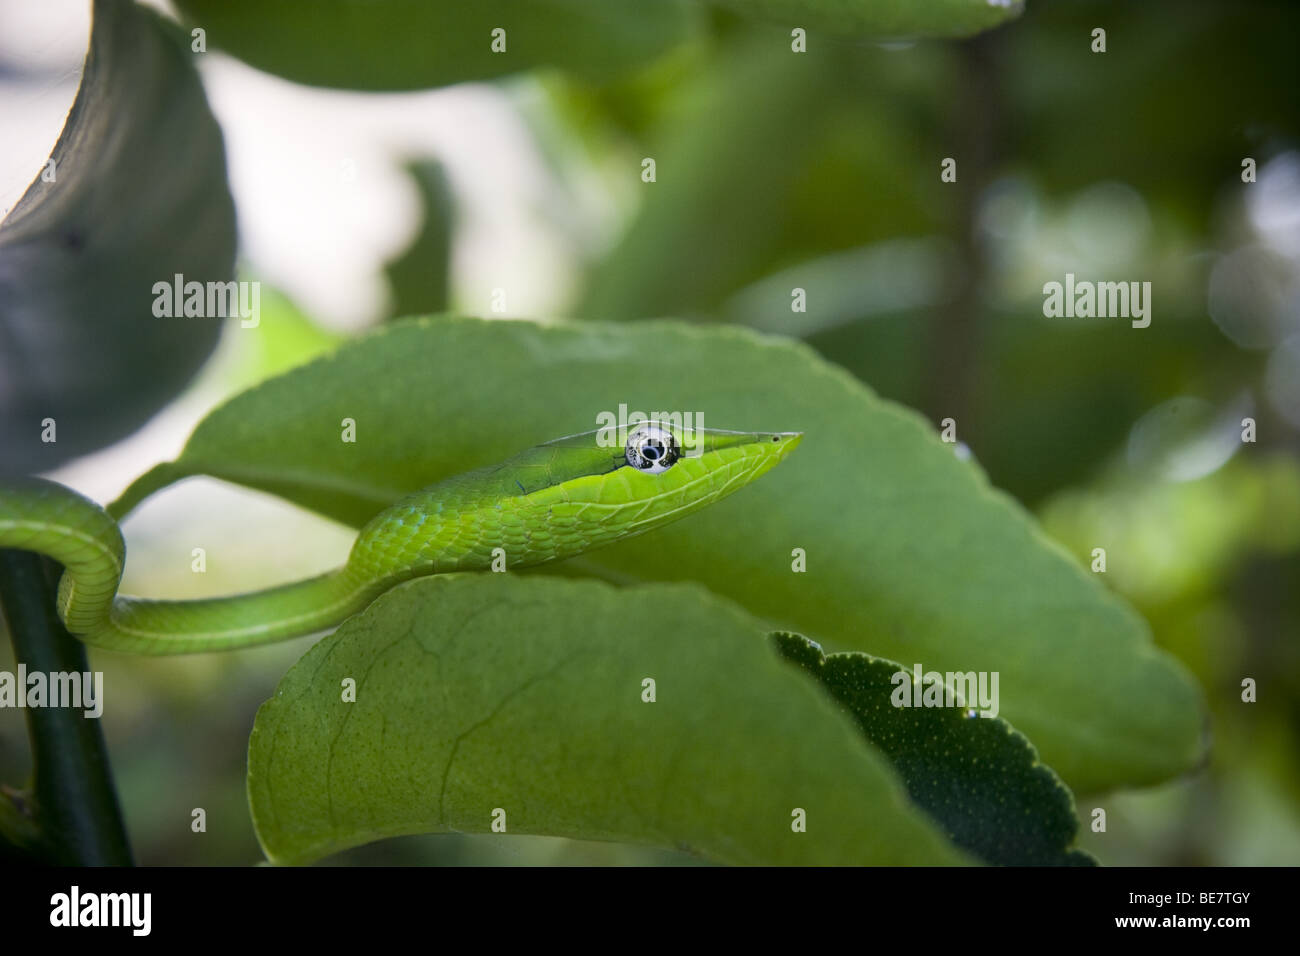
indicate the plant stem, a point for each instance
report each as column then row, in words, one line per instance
column 958, row 329
column 76, row 811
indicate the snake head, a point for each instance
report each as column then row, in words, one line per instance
column 564, row 497
column 596, row 488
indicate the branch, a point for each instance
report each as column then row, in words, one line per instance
column 76, row 808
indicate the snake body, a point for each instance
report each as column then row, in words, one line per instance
column 549, row 502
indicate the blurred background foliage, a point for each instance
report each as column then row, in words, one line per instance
column 821, row 171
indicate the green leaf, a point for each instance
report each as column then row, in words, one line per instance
column 413, row 44
column 526, row 694
column 723, row 179
column 419, row 278
column 138, row 194
column 976, row 776
column 909, row 554
column 737, row 197
column 883, row 18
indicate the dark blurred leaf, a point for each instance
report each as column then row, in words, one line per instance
column 139, row 195
column 1136, row 113
column 413, row 44
column 976, row 776
column 418, row 279
column 883, row 18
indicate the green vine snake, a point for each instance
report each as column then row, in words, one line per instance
column 550, row 502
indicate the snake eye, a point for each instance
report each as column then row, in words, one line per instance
column 651, row 449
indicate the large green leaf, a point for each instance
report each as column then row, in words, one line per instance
column 413, row 44
column 883, row 18
column 485, row 692
column 975, row 775
column 910, row 555
column 136, row 195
